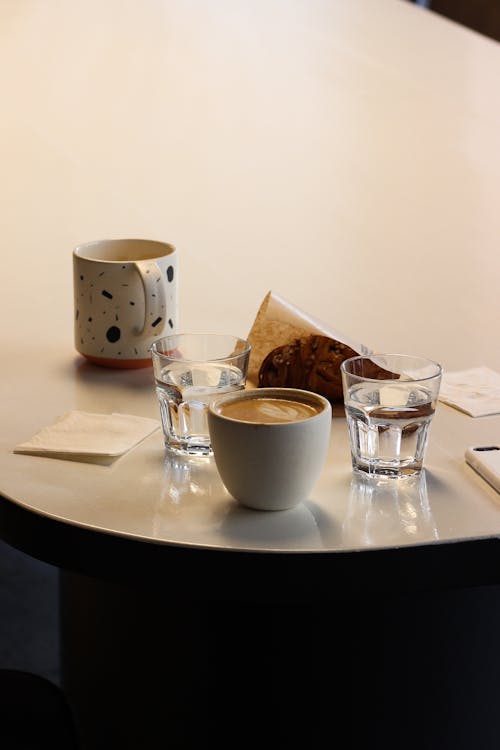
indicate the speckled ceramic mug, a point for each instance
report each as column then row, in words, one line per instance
column 125, row 298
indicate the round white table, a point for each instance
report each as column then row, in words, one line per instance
column 343, row 155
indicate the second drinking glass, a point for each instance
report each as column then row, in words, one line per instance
column 390, row 400
column 191, row 370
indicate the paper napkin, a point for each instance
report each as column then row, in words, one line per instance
column 475, row 391
column 83, row 436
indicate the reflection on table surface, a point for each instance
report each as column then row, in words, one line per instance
column 383, row 510
column 193, row 495
column 379, row 512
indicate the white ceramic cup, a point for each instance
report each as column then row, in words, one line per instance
column 270, row 466
column 125, row 298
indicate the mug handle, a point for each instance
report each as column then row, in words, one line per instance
column 154, row 297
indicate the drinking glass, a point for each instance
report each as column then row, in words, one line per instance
column 192, row 370
column 389, row 400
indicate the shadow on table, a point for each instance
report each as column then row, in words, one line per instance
column 82, row 369
column 109, row 383
column 272, row 530
column 193, row 493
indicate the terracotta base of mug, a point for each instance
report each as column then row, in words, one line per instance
column 118, row 364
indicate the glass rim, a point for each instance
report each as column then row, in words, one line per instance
column 246, row 350
column 371, row 357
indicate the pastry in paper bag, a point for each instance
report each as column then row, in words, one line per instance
column 292, row 349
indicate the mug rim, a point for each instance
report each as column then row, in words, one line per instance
column 286, row 394
column 167, row 249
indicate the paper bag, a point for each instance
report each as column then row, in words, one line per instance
column 279, row 323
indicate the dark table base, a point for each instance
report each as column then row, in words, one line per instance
column 390, row 671
column 171, row 646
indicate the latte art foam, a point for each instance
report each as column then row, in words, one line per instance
column 281, row 411
column 268, row 410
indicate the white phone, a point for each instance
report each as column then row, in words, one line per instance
column 485, row 459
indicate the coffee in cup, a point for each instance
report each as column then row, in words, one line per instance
column 270, row 444
column 266, row 410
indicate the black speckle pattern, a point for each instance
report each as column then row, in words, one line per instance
column 103, row 335
column 113, row 334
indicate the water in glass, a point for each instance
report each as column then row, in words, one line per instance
column 389, row 426
column 184, row 392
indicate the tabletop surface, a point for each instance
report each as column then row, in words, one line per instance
column 343, row 155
